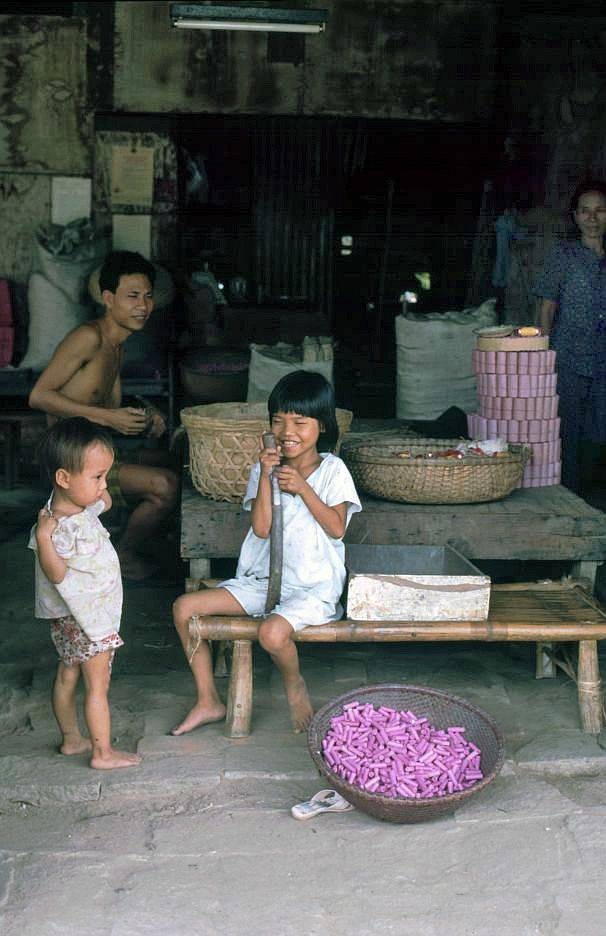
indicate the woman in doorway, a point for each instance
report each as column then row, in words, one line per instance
column 572, row 310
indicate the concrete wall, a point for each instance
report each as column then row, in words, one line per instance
column 45, row 125
column 421, row 59
column 557, row 93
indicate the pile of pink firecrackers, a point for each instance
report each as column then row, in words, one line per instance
column 399, row 754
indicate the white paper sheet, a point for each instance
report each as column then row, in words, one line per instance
column 70, row 198
column 132, row 176
column 132, row 232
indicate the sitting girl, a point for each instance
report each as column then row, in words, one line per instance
column 318, row 498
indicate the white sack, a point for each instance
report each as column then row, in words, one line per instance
column 434, row 370
column 268, row 364
column 52, row 314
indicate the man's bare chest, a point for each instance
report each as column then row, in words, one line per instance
column 95, row 379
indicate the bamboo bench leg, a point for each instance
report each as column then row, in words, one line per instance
column 221, row 667
column 590, row 687
column 240, row 692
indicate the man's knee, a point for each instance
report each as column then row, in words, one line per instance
column 166, row 487
column 159, row 486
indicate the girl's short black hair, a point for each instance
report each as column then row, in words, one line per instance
column 309, row 394
column 64, row 445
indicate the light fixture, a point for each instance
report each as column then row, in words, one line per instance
column 261, row 19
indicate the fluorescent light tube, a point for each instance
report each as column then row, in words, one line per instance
column 249, row 25
column 244, row 17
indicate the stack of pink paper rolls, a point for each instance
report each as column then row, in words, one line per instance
column 518, row 403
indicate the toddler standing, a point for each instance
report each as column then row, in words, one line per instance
column 78, row 584
column 318, row 497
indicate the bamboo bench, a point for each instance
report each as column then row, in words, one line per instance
column 541, row 613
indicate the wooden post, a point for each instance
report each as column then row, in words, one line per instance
column 586, row 573
column 199, row 568
column 590, row 687
column 545, row 668
column 239, row 696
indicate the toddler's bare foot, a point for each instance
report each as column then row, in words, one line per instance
column 301, row 710
column 114, row 759
column 81, row 746
column 199, row 715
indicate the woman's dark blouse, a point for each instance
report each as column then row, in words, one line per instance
column 575, row 278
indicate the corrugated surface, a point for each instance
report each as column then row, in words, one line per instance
column 294, row 222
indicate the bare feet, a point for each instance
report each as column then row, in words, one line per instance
column 114, row 759
column 82, row 746
column 200, row 715
column 133, row 567
column 301, row 710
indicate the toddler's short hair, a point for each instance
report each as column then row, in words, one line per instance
column 64, row 445
column 123, row 263
column 310, row 394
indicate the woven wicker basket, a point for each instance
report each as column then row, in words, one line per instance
column 224, row 442
column 379, row 470
column 443, row 710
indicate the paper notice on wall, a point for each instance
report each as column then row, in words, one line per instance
column 132, row 176
column 132, row 232
column 70, row 199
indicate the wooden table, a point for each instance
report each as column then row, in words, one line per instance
column 545, row 524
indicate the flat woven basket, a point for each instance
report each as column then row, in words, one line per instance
column 381, row 471
column 443, row 710
column 224, row 442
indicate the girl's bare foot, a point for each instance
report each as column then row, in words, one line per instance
column 114, row 759
column 199, row 715
column 301, row 710
column 81, row 746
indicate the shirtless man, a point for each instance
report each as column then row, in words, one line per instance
column 83, row 379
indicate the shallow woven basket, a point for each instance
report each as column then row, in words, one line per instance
column 380, row 471
column 224, row 442
column 443, row 711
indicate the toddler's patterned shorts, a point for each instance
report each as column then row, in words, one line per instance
column 74, row 647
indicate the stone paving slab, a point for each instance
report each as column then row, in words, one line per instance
column 209, row 742
column 165, row 777
column 281, row 756
column 565, row 752
column 221, row 875
column 45, row 780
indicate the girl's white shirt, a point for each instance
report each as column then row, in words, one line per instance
column 92, row 588
column 312, row 559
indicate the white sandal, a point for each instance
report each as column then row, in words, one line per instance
column 322, row 801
